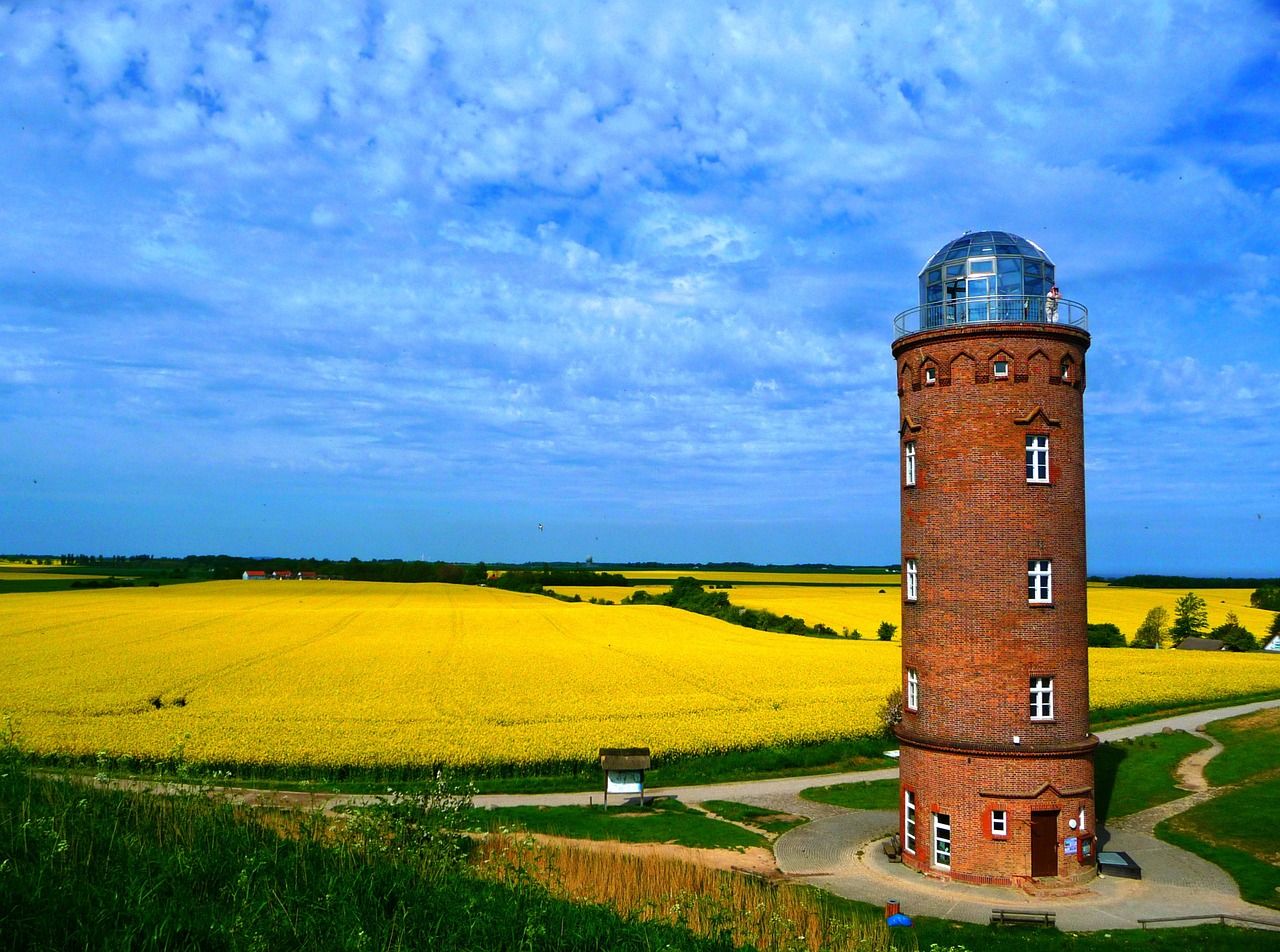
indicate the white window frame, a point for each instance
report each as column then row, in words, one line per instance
column 913, row 580
column 1039, row 581
column 999, row 823
column 909, row 821
column 1037, row 458
column 1042, row 699
column 930, row 375
column 997, row 372
column 941, row 837
column 909, row 462
column 913, row 689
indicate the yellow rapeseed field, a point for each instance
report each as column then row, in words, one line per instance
column 331, row 673
column 365, row 674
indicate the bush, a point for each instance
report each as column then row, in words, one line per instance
column 1105, row 635
column 886, row 631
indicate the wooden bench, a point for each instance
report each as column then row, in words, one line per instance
column 1021, row 917
column 893, row 849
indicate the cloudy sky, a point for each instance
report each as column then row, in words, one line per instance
column 401, row 279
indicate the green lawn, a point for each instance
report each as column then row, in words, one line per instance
column 860, row 795
column 1252, row 745
column 770, row 820
column 1237, row 830
column 664, row 821
column 1132, row 775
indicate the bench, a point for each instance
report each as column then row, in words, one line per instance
column 1021, row 917
column 893, row 849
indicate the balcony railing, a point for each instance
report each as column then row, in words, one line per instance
column 991, row 309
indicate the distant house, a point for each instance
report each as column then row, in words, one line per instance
column 1272, row 644
column 307, row 575
column 1200, row 644
column 282, row 573
column 253, row 575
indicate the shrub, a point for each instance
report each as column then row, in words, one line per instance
column 886, row 631
column 1105, row 635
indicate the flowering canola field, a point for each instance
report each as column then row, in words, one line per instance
column 349, row 673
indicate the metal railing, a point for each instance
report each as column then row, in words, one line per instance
column 1222, row 918
column 991, row 308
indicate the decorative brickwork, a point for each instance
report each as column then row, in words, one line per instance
column 977, row 528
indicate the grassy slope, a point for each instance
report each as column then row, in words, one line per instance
column 89, row 869
column 769, row 820
column 1237, row 830
column 861, row 795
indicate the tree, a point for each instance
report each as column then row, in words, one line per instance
column 1151, row 632
column 1268, row 597
column 1275, row 626
column 886, row 631
column 1234, row 635
column 1105, row 635
column 1190, row 617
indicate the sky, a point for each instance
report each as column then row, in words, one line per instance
column 550, row 281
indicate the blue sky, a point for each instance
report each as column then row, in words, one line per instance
column 402, row 280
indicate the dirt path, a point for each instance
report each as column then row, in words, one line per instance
column 1190, row 774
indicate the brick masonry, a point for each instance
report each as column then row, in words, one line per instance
column 972, row 522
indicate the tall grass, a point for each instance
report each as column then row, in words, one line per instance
column 93, row 869
column 719, row 905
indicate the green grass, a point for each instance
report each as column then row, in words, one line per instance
column 1236, row 831
column 1252, row 746
column 88, row 869
column 860, row 795
column 663, row 821
column 769, row 820
column 1132, row 775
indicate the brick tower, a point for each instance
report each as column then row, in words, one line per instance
column 996, row 752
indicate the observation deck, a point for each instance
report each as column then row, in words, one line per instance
column 991, row 309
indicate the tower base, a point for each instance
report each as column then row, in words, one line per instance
column 999, row 818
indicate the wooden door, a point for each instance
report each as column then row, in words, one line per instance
column 1044, row 843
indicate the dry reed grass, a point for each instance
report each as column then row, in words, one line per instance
column 772, row 917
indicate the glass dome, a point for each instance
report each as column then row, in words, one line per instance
column 982, row 265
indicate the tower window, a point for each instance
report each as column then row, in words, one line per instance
column 913, row 581
column 999, row 823
column 931, row 375
column 1040, row 581
column 909, row 463
column 1066, row 368
column 909, row 820
column 1037, row 459
column 1000, row 368
column 913, row 689
column 1041, row 699
column 942, row 840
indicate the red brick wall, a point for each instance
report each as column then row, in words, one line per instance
column 972, row 522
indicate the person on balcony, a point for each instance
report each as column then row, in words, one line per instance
column 1051, row 304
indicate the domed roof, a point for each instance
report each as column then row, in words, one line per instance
column 976, row 244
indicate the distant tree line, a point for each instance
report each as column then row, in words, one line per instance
column 688, row 594
column 1186, row 581
column 536, row 582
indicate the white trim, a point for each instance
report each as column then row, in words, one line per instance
column 909, row 821
column 1037, row 458
column 913, row 580
column 1042, row 699
column 1040, row 581
column 941, row 836
column 909, row 463
column 913, row 689
column 997, row 372
column 999, row 823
